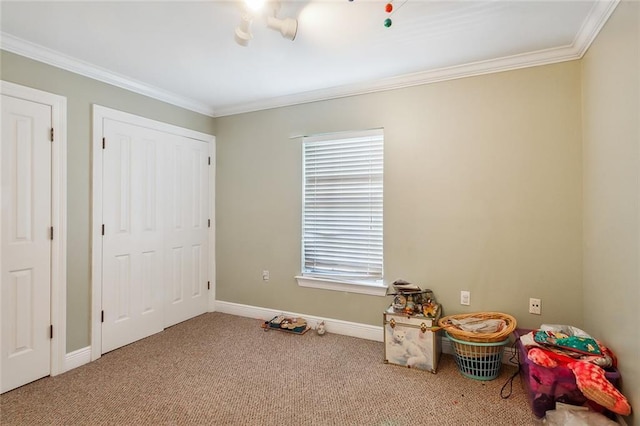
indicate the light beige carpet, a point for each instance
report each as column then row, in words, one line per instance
column 220, row 369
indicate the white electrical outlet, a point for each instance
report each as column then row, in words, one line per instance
column 535, row 306
column 265, row 275
column 465, row 297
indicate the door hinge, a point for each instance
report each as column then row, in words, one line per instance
column 52, row 134
column 208, row 223
column 209, row 160
column 104, row 142
column 51, row 331
column 101, row 316
column 208, row 285
column 103, row 229
column 51, row 233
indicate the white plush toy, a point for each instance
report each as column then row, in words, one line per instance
column 320, row 328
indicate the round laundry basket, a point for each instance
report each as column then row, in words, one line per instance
column 479, row 361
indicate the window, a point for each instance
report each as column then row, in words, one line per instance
column 342, row 209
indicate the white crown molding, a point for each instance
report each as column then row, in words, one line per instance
column 598, row 16
column 543, row 57
column 52, row 57
column 591, row 27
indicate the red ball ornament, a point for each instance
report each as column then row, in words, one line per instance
column 388, row 8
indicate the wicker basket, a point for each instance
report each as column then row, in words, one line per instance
column 468, row 336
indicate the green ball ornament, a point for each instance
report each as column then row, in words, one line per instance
column 387, row 22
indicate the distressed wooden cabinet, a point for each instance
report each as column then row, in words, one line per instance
column 411, row 340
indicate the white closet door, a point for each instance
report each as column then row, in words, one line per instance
column 133, row 279
column 155, row 192
column 186, row 239
column 26, row 242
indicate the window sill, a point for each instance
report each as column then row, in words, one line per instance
column 350, row 287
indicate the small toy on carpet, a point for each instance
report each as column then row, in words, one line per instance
column 288, row 324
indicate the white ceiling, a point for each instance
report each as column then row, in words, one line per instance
column 184, row 52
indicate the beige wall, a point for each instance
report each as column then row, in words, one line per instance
column 611, row 123
column 483, row 184
column 81, row 93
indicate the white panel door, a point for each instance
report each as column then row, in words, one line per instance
column 186, row 239
column 132, row 245
column 26, row 242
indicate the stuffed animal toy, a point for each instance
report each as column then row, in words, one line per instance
column 594, row 385
column 430, row 309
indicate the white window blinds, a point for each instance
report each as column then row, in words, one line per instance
column 342, row 205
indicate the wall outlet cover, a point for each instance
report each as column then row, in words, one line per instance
column 535, row 306
column 465, row 297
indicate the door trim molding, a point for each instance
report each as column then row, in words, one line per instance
column 99, row 114
column 58, row 106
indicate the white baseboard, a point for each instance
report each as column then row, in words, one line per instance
column 82, row 356
column 363, row 331
column 77, row 358
column 509, row 355
column 446, row 345
column 353, row 329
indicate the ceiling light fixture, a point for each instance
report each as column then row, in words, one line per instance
column 255, row 4
column 288, row 27
column 243, row 30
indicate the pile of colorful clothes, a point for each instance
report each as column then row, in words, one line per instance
column 565, row 350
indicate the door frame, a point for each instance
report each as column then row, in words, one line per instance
column 99, row 114
column 58, row 300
